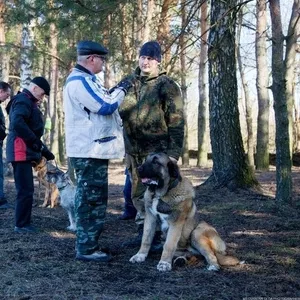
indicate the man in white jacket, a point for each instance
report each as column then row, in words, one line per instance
column 93, row 136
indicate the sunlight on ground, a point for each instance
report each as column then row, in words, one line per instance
column 250, row 232
column 113, row 211
column 62, row 235
column 254, row 214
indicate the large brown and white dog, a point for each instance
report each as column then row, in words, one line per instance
column 169, row 197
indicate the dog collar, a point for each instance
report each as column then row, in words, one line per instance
column 61, row 188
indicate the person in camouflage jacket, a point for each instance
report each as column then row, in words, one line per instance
column 152, row 117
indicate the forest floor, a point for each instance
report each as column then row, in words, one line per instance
column 42, row 265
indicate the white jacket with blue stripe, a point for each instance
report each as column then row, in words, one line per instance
column 93, row 125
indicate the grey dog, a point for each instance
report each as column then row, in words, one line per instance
column 67, row 192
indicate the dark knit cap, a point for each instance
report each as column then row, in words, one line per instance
column 151, row 49
column 42, row 83
column 90, row 48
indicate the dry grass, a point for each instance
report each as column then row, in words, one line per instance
column 42, row 266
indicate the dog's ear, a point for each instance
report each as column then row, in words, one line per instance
column 174, row 170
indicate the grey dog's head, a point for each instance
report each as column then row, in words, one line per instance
column 57, row 177
column 158, row 170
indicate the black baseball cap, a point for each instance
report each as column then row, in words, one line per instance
column 42, row 83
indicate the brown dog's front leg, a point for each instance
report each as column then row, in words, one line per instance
column 148, row 234
column 170, row 246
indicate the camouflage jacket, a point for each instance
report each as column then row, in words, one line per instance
column 152, row 115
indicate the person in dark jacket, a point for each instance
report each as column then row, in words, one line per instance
column 25, row 148
column 5, row 91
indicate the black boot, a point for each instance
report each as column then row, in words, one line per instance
column 157, row 245
column 136, row 241
column 129, row 212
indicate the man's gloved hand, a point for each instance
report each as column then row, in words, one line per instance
column 125, row 84
column 48, row 154
column 37, row 145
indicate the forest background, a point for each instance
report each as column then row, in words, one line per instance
column 233, row 60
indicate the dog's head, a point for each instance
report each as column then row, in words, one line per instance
column 58, row 177
column 41, row 165
column 158, row 170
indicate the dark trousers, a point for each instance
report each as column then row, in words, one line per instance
column 130, row 210
column 25, row 189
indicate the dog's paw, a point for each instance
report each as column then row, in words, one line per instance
column 213, row 268
column 164, row 266
column 138, row 258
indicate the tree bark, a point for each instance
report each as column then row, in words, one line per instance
column 202, row 87
column 245, row 89
column 4, row 53
column 26, row 60
column 283, row 154
column 290, row 65
column 230, row 168
column 52, row 111
column 262, row 82
column 148, row 22
column 182, row 42
column 163, row 34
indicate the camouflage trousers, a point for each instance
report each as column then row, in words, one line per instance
column 90, row 201
column 137, row 189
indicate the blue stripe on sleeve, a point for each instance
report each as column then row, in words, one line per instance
column 106, row 108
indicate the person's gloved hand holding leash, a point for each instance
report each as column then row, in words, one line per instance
column 38, row 146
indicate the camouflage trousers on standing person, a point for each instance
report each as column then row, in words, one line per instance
column 90, row 202
column 137, row 189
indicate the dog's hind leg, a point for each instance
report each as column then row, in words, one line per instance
column 46, row 198
column 202, row 244
column 71, row 216
column 54, row 194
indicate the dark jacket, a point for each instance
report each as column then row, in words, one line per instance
column 152, row 115
column 2, row 127
column 26, row 126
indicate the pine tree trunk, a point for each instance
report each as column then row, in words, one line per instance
column 248, row 104
column 52, row 111
column 230, row 168
column 291, row 65
column 202, row 87
column 283, row 154
column 163, row 33
column 148, row 21
column 4, row 53
column 262, row 82
column 182, row 42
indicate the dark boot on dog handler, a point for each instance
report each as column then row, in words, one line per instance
column 128, row 214
column 26, row 229
column 96, row 256
column 156, row 245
